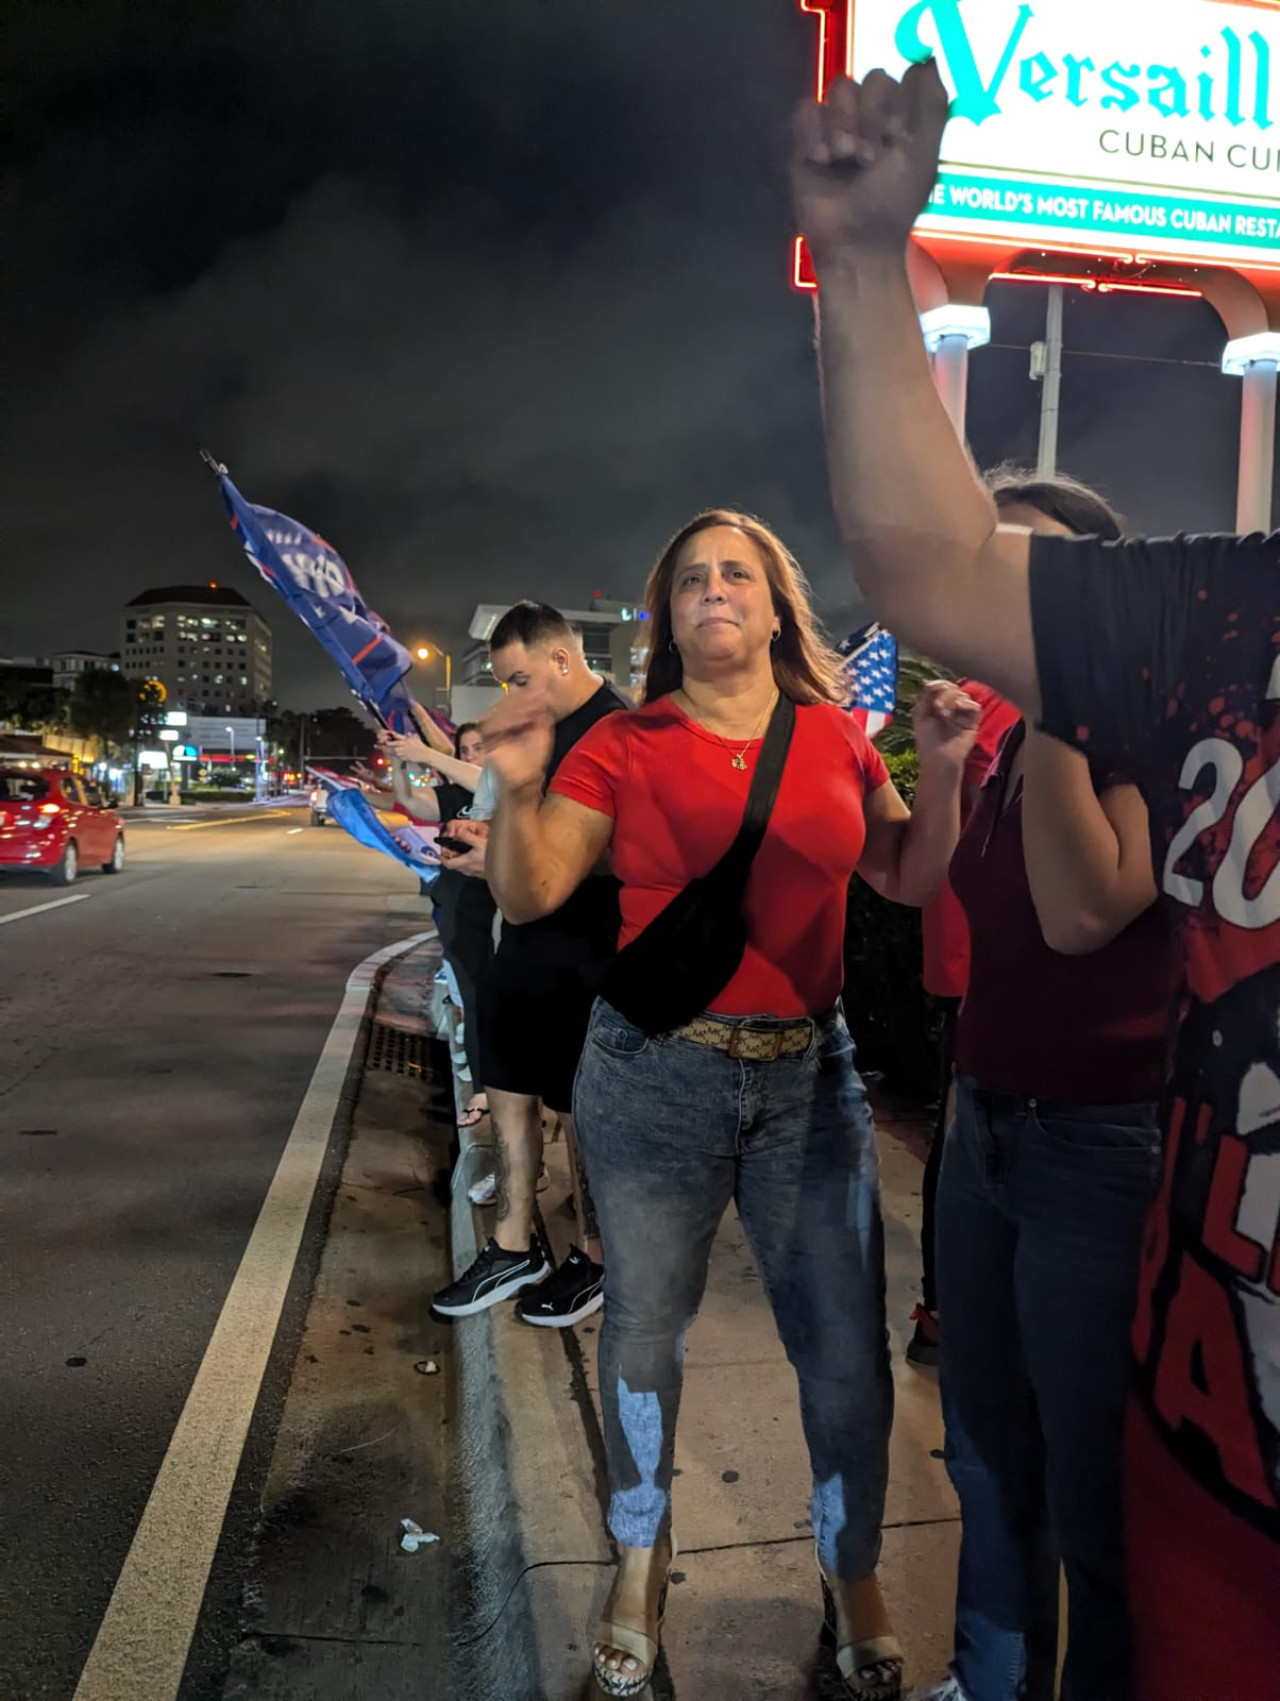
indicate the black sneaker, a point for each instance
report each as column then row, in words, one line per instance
column 494, row 1276
column 565, row 1298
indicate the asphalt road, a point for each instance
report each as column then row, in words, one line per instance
column 156, row 1040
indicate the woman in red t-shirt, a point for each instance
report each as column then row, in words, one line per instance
column 1048, row 1171
column 758, row 1100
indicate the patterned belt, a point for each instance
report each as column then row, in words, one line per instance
column 753, row 1044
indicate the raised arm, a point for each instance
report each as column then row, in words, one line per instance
column 1088, row 856
column 540, row 849
column 407, row 748
column 433, row 736
column 908, row 852
column 419, row 801
column 919, row 527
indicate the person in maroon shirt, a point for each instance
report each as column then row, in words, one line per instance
column 1049, row 1169
column 945, row 940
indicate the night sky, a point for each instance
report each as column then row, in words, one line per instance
column 492, row 295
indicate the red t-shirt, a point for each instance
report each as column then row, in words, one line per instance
column 676, row 802
column 945, row 930
column 1089, row 1030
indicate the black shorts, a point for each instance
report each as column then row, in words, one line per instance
column 535, row 1005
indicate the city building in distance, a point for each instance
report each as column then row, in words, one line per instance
column 208, row 647
column 71, row 665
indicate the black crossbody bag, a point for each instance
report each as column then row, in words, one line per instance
column 689, row 953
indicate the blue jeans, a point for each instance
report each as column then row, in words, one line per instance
column 672, row 1132
column 1041, row 1208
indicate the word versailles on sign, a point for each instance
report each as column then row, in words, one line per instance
column 1226, row 76
column 1222, row 90
column 1156, row 121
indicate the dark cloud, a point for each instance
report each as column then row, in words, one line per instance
column 493, row 296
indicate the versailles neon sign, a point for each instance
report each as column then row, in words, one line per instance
column 1146, row 128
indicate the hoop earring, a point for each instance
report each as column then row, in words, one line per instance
column 775, row 636
column 671, row 645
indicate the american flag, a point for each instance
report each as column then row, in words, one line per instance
column 871, row 677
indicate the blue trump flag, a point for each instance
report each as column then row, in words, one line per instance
column 412, row 846
column 313, row 579
column 871, row 677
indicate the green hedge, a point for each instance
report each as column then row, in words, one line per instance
column 893, row 1019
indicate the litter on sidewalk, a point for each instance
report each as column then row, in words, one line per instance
column 415, row 1536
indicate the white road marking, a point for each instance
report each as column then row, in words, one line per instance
column 39, row 909
column 290, row 831
column 143, row 1642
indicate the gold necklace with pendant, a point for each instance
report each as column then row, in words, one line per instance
column 737, row 758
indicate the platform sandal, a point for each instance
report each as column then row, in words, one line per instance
column 871, row 1668
column 625, row 1641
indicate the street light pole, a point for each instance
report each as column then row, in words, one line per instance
column 232, row 731
column 423, row 653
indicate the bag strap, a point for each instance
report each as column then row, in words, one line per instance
column 764, row 789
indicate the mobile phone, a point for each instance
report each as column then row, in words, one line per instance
column 459, row 847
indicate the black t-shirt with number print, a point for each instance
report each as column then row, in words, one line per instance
column 1164, row 656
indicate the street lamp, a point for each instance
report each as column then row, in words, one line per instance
column 424, row 653
column 232, row 731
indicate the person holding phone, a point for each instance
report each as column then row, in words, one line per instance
column 464, row 907
column 535, row 1003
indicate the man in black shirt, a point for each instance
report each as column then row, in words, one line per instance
column 535, row 1004
column 1163, row 657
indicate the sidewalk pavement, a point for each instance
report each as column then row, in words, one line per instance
column 745, row 1608
column 487, row 1433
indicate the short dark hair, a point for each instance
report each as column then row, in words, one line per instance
column 530, row 623
column 461, row 733
column 1067, row 500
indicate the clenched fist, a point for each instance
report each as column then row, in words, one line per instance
column 945, row 722
column 863, row 164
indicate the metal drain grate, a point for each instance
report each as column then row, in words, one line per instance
column 396, row 1052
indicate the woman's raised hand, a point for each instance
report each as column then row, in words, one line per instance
column 945, row 721
column 406, row 748
column 518, row 739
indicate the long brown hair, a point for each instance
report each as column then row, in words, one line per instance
column 805, row 667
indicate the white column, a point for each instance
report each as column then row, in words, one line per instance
column 951, row 375
column 1255, row 361
column 1051, row 396
column 949, row 333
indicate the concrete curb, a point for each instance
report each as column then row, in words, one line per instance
column 496, row 1658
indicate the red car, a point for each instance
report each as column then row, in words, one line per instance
column 56, row 821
